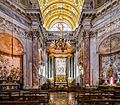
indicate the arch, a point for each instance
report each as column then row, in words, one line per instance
column 71, row 20
column 60, row 2
column 104, row 46
column 11, row 57
column 56, row 20
column 66, row 10
column 6, row 43
column 58, row 28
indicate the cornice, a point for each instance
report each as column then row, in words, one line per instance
column 103, row 17
column 16, row 9
column 107, row 6
column 86, row 14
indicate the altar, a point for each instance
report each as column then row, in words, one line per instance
column 61, row 72
column 61, row 63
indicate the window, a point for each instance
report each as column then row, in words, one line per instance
column 60, row 27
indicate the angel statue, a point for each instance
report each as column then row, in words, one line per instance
column 118, row 78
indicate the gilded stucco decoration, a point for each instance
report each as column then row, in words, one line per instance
column 55, row 49
column 66, row 11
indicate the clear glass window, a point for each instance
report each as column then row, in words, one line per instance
column 60, row 27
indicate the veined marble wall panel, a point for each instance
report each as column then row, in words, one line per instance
column 35, row 63
column 94, row 62
column 28, row 57
column 86, row 59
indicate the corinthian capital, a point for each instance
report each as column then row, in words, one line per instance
column 86, row 34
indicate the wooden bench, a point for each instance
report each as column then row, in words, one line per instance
column 40, row 99
column 91, row 97
column 99, row 101
column 6, row 95
column 18, row 102
column 10, row 92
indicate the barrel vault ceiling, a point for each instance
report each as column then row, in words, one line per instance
column 65, row 11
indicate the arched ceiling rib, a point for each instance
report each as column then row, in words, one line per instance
column 54, row 16
column 60, row 10
column 67, row 11
column 55, row 20
column 65, row 3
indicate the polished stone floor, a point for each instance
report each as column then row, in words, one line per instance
column 62, row 98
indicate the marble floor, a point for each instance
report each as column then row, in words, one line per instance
column 62, row 98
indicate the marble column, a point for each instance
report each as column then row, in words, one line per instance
column 68, row 67
column 52, row 70
column 72, row 67
column 94, row 61
column 48, row 67
column 35, row 63
column 86, row 57
column 25, row 71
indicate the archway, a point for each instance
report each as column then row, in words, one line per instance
column 11, row 58
column 109, row 50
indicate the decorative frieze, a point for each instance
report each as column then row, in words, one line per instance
column 11, row 28
column 109, row 27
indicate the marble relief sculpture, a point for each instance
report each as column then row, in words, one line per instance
column 11, row 51
column 115, row 66
column 7, row 69
column 118, row 78
column 109, row 50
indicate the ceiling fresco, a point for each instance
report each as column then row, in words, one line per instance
column 65, row 11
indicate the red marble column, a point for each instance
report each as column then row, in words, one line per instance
column 86, row 57
column 35, row 63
